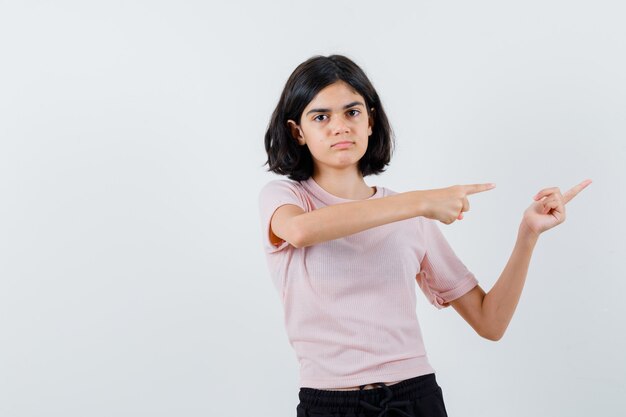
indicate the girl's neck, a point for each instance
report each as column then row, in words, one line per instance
column 349, row 186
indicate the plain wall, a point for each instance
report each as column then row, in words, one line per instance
column 132, row 278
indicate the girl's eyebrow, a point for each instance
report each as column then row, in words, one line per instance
column 353, row 104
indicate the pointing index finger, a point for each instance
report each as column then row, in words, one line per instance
column 573, row 192
column 478, row 188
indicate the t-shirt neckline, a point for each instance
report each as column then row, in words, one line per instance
column 329, row 198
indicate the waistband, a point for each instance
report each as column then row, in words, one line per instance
column 385, row 396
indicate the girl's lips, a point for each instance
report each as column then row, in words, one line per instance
column 342, row 145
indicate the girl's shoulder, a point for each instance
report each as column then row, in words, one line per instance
column 282, row 184
column 284, row 190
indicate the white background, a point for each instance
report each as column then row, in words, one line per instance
column 132, row 278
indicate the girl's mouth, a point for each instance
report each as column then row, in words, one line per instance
column 343, row 144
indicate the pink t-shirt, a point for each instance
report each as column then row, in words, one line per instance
column 349, row 303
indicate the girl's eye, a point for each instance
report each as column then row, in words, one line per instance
column 318, row 118
column 354, row 112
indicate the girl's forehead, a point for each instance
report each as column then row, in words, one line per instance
column 335, row 93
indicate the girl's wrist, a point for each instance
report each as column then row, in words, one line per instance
column 419, row 203
column 526, row 233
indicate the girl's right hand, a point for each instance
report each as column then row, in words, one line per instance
column 448, row 204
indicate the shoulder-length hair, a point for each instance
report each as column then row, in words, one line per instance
column 285, row 156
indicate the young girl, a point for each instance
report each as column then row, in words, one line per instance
column 345, row 256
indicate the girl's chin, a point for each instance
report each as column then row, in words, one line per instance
column 341, row 160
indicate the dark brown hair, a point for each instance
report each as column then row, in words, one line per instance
column 285, row 156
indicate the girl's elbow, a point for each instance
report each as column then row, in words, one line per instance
column 491, row 334
column 492, row 337
column 297, row 238
column 297, row 243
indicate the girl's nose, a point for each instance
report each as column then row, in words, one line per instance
column 339, row 127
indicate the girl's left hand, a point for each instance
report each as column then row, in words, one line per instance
column 548, row 210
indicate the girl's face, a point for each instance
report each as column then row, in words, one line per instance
column 335, row 126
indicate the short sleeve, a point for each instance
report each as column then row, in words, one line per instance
column 442, row 277
column 274, row 194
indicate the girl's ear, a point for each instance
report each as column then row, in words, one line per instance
column 296, row 133
column 371, row 122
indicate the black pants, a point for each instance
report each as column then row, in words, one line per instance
column 416, row 397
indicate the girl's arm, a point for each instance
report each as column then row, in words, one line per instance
column 300, row 229
column 490, row 314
